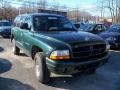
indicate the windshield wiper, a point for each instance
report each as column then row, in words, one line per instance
column 61, row 29
column 53, row 29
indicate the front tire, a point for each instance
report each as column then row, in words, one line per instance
column 42, row 72
column 16, row 50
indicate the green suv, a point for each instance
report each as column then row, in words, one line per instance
column 56, row 46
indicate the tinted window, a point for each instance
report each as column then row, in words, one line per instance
column 5, row 24
column 51, row 23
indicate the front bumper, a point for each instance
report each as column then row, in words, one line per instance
column 5, row 33
column 62, row 67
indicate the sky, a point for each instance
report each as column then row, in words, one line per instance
column 84, row 5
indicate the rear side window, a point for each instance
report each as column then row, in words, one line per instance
column 22, row 20
column 18, row 21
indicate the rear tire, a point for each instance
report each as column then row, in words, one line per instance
column 16, row 50
column 6, row 36
column 42, row 72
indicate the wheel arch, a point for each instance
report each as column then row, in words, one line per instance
column 34, row 50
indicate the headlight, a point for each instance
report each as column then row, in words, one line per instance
column 107, row 47
column 60, row 55
column 111, row 39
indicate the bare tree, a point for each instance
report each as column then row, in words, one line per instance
column 5, row 9
column 118, row 11
column 55, row 5
column 76, row 15
column 113, row 6
column 102, row 2
column 42, row 4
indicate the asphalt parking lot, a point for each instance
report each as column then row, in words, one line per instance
column 17, row 73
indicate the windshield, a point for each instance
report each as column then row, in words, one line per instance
column 114, row 29
column 52, row 23
column 5, row 24
column 87, row 27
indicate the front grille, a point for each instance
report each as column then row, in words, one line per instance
column 89, row 51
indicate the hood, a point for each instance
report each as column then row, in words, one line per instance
column 109, row 34
column 72, row 36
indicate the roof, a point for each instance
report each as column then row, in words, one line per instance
column 41, row 14
column 4, row 21
column 115, row 25
column 94, row 23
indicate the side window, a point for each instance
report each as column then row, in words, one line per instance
column 98, row 28
column 103, row 27
column 29, row 22
column 66, row 23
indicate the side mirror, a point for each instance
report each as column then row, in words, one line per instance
column 24, row 26
column 77, row 26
